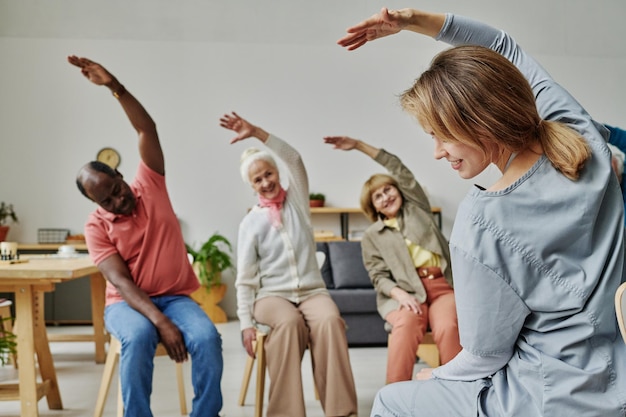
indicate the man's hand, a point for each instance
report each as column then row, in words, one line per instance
column 173, row 341
column 377, row 26
column 93, row 71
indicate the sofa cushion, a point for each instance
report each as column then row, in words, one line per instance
column 346, row 264
column 355, row 301
column 325, row 269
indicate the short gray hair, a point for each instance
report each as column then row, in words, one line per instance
column 251, row 155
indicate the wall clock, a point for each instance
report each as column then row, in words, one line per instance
column 109, row 156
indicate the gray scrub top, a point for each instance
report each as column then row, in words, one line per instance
column 536, row 268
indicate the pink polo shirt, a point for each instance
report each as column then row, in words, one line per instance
column 149, row 240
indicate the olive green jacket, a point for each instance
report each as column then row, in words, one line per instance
column 385, row 254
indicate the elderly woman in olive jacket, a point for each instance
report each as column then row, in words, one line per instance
column 408, row 260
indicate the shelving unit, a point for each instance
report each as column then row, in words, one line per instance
column 344, row 216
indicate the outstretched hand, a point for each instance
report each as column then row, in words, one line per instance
column 238, row 124
column 93, row 71
column 341, row 142
column 424, row 374
column 377, row 26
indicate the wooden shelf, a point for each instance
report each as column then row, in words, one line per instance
column 344, row 214
column 38, row 247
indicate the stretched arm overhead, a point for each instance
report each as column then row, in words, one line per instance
column 149, row 145
column 296, row 173
column 389, row 22
column 114, row 268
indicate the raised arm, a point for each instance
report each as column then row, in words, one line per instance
column 389, row 22
column 406, row 180
column 149, row 145
column 298, row 178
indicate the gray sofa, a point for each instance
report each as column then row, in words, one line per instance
column 350, row 287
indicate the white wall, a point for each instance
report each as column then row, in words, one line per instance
column 275, row 63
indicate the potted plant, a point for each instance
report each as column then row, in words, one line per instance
column 316, row 200
column 209, row 261
column 7, row 344
column 6, row 213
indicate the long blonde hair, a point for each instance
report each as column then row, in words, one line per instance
column 475, row 96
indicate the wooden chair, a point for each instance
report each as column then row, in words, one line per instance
column 259, row 351
column 6, row 323
column 113, row 355
column 426, row 351
column 620, row 309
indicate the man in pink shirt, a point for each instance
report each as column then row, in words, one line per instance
column 135, row 239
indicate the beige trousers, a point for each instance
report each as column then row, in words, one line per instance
column 316, row 321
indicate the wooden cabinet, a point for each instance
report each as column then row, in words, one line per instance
column 344, row 218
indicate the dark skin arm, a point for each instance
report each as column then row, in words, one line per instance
column 149, row 145
column 114, row 268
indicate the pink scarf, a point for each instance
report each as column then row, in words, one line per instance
column 275, row 205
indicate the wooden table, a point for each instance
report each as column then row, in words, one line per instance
column 28, row 281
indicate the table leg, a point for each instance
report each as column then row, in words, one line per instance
column 98, row 289
column 32, row 339
column 24, row 319
column 44, row 357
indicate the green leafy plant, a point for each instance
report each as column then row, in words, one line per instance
column 317, row 196
column 213, row 257
column 7, row 344
column 7, row 213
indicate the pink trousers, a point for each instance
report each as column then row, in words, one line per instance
column 438, row 315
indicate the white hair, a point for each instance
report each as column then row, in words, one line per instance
column 251, row 155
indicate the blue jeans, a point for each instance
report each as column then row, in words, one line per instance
column 139, row 339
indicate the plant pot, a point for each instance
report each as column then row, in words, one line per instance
column 208, row 298
column 316, row 203
column 4, row 231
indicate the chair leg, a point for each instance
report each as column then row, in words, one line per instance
column 182, row 399
column 247, row 373
column 120, row 400
column 107, row 376
column 260, row 375
column 428, row 352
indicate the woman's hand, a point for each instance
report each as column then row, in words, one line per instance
column 424, row 374
column 243, row 128
column 405, row 300
column 347, row 143
column 377, row 26
column 344, row 143
column 247, row 337
column 389, row 22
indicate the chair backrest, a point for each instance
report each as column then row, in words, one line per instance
column 620, row 308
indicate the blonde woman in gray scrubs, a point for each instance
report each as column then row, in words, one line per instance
column 537, row 256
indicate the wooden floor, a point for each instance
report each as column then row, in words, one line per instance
column 79, row 379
